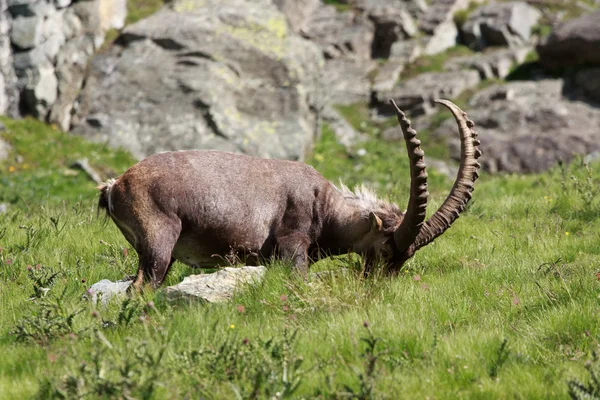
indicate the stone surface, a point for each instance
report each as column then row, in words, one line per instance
column 226, row 75
column 588, row 81
column 345, row 134
column 574, row 42
column 416, row 95
column 388, row 75
column 216, row 287
column 298, row 12
column 338, row 34
column 438, row 25
column 492, row 64
column 527, row 127
column 347, row 81
column 392, row 24
column 107, row 290
column 500, row 24
column 26, row 32
column 9, row 93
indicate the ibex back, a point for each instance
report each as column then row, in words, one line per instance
column 200, row 207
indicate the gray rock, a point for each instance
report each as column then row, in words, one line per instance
column 217, row 287
column 438, row 25
column 345, row 134
column 588, row 80
column 107, row 290
column 226, row 75
column 574, row 42
column 500, row 24
column 407, row 51
column 41, row 90
column 493, row 64
column 28, row 8
column 297, row 12
column 9, row 92
column 416, row 95
column 3, row 208
column 26, row 32
column 62, row 3
column 392, row 24
column 71, row 66
column 527, row 127
column 347, row 80
column 388, row 75
column 340, row 34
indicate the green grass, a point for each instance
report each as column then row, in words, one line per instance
column 435, row 62
column 339, row 5
column 520, row 267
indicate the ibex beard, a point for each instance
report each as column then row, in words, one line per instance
column 194, row 205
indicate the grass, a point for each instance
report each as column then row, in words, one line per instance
column 504, row 305
column 341, row 6
column 435, row 62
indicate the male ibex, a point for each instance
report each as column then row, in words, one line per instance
column 193, row 205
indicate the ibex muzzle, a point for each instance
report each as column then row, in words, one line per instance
column 200, row 207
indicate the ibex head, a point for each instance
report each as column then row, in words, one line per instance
column 414, row 232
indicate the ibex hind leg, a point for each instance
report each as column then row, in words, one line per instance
column 155, row 253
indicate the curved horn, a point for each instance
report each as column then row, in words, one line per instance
column 407, row 232
column 463, row 186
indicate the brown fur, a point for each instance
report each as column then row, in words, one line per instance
column 202, row 206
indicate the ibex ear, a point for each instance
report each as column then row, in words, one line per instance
column 376, row 223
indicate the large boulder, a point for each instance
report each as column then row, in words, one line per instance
column 500, row 24
column 588, row 82
column 528, row 126
column 574, row 42
column 226, row 75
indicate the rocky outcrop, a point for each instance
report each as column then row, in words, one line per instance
column 416, row 95
column 52, row 42
column 574, row 42
column 588, row 82
column 225, row 75
column 528, row 127
column 500, row 24
column 493, row 64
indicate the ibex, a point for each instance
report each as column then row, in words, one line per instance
column 194, row 205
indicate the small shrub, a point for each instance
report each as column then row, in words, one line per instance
column 591, row 389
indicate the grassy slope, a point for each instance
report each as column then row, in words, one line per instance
column 519, row 265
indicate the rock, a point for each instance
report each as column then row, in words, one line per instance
column 345, row 134
column 416, row 95
column 500, row 24
column 225, row 75
column 493, row 64
column 26, row 32
column 71, row 66
column 41, row 90
column 112, row 14
column 388, row 75
column 297, row 12
column 574, row 42
column 340, row 34
column 3, row 208
column 527, row 127
column 438, row 25
column 62, row 3
column 216, row 287
column 347, row 81
column 392, row 24
column 407, row 51
column 9, row 93
column 588, row 80
column 107, row 290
